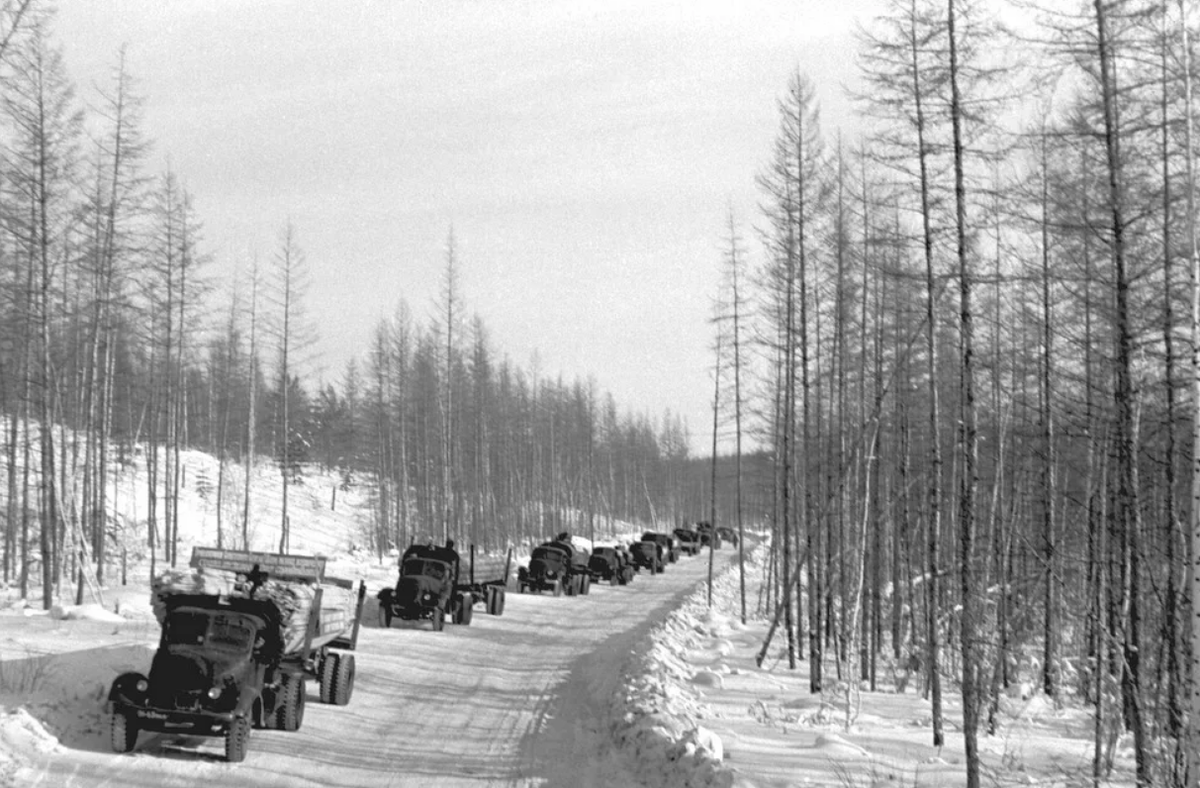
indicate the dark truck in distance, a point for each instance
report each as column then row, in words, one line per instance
column 556, row 566
column 226, row 663
column 668, row 553
column 427, row 589
column 709, row 536
column 608, row 564
column 646, row 554
column 688, row 541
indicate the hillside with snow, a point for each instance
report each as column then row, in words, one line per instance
column 641, row 685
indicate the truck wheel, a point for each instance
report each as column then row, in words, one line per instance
column 237, row 740
column 328, row 675
column 439, row 619
column 658, row 567
column 614, row 580
column 500, row 596
column 558, row 587
column 343, row 680
column 385, row 617
column 585, row 584
column 124, row 731
column 291, row 711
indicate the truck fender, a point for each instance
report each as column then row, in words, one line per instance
column 125, row 688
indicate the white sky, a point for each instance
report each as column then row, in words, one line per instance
column 585, row 154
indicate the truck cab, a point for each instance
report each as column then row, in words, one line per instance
column 426, row 589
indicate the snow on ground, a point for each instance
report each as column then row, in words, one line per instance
column 698, row 711
column 675, row 701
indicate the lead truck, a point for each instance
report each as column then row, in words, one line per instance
column 242, row 633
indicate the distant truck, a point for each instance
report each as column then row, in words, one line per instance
column 687, row 540
column 558, row 566
column 227, row 662
column 668, row 552
column 427, row 589
column 646, row 555
column 709, row 536
column 608, row 564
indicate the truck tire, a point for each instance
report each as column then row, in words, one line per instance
column 585, row 584
column 327, row 676
column 290, row 713
column 614, row 580
column 658, row 567
column 124, row 731
column 237, row 740
column 343, row 680
column 385, row 617
column 558, row 587
column 439, row 619
column 499, row 597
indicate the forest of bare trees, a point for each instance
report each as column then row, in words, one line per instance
column 969, row 347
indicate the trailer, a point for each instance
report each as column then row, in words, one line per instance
column 491, row 591
column 241, row 636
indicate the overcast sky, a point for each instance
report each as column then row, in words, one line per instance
column 585, row 154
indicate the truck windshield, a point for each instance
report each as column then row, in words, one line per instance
column 232, row 632
column 420, row 566
column 187, row 628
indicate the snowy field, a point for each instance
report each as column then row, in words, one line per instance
column 641, row 686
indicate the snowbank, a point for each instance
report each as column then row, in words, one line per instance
column 659, row 712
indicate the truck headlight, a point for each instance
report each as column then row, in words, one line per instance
column 214, row 693
column 142, row 685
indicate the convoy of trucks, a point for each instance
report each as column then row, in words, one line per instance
column 243, row 632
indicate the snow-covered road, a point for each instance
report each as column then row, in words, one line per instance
column 516, row 700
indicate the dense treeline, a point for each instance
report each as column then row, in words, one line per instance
column 968, row 350
column 116, row 348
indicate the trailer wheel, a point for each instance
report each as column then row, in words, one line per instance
column 462, row 613
column 291, row 711
column 237, row 740
column 496, row 604
column 343, row 679
column 124, row 731
column 327, row 676
column 439, row 619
